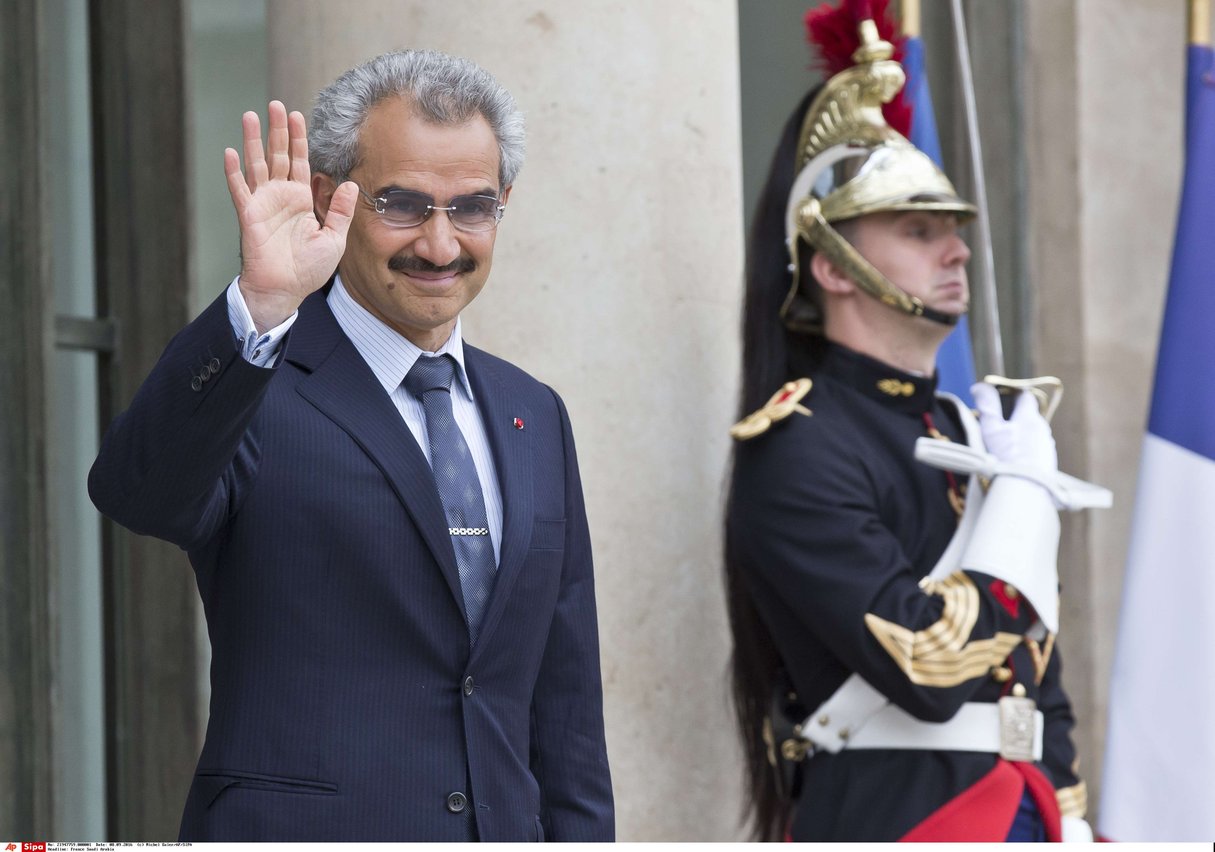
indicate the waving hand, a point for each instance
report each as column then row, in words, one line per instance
column 286, row 254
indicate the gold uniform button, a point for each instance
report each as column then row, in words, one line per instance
column 1000, row 674
column 1011, row 591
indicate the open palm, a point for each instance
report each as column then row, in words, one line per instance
column 286, row 254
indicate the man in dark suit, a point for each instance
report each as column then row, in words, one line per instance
column 386, row 525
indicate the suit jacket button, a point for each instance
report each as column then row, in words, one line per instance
column 468, row 685
column 457, row 802
column 214, row 365
column 204, row 372
column 196, row 383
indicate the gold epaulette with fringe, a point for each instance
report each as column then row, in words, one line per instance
column 783, row 403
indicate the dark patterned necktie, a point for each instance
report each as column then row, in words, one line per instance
column 455, row 476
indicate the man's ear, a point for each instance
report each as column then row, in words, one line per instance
column 323, row 188
column 829, row 276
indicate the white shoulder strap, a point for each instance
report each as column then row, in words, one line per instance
column 951, row 558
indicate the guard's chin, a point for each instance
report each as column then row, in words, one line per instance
column 954, row 309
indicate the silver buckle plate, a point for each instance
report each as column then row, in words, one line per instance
column 1017, row 728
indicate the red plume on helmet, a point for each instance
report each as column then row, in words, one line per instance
column 832, row 31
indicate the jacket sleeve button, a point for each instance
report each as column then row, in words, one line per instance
column 196, row 383
column 214, row 365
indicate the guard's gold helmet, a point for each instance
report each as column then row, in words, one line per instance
column 850, row 162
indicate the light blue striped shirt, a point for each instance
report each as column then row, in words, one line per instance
column 390, row 357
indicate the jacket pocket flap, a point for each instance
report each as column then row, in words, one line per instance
column 209, row 787
column 211, row 783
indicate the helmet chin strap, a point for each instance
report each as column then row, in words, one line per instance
column 811, row 225
column 804, row 219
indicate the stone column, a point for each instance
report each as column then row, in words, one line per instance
column 617, row 280
column 1104, row 121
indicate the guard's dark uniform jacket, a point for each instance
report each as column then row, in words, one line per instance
column 836, row 523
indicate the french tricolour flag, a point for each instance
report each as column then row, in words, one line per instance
column 1159, row 781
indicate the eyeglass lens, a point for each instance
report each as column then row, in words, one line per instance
column 407, row 208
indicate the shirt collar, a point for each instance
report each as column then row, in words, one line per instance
column 386, row 351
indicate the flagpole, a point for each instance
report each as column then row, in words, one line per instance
column 987, row 325
column 1200, row 23
column 910, row 15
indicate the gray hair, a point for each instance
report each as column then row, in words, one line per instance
column 446, row 89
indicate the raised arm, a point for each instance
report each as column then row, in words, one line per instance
column 202, row 394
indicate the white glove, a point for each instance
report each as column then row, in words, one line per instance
column 1016, row 536
column 1019, row 448
column 1024, row 439
column 1076, row 830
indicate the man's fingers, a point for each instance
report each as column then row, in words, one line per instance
column 299, row 147
column 341, row 209
column 255, row 158
column 237, row 187
column 276, row 141
column 285, row 156
column 1027, row 405
column 987, row 400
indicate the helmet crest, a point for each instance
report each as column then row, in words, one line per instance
column 851, row 162
column 834, row 34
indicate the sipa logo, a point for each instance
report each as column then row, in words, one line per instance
column 33, row 847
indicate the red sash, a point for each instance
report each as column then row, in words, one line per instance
column 984, row 812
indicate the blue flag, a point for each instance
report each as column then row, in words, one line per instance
column 1183, row 402
column 955, row 361
column 1159, row 782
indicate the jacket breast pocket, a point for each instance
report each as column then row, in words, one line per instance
column 548, row 535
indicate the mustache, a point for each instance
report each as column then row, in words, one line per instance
column 410, row 263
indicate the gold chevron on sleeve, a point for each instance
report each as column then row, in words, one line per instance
column 1040, row 655
column 943, row 654
column 1073, row 801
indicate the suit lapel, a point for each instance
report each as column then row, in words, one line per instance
column 343, row 388
column 512, row 451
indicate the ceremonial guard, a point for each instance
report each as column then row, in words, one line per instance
column 891, row 557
